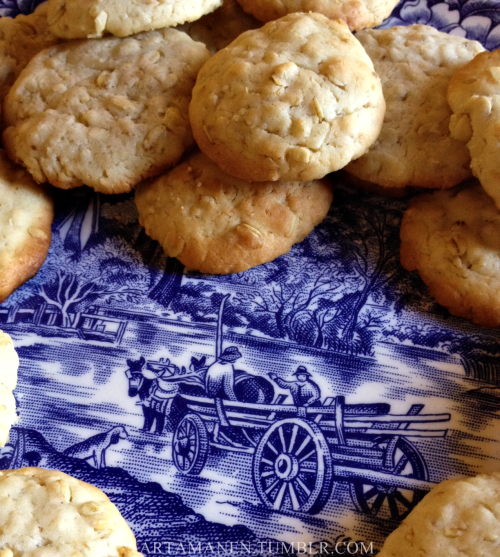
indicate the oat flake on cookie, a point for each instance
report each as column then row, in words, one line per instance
column 293, row 100
column 73, row 19
column 105, row 113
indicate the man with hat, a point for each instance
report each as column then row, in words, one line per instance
column 219, row 380
column 304, row 391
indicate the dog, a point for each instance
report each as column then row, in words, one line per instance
column 95, row 447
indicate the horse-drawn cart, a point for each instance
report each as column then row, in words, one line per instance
column 298, row 453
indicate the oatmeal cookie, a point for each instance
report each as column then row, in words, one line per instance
column 458, row 517
column 26, row 215
column 47, row 512
column 104, row 113
column 294, row 100
column 474, row 97
column 8, row 380
column 20, row 39
column 358, row 14
column 452, row 238
column 215, row 223
column 415, row 148
column 72, row 19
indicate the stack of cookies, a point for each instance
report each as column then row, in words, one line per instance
column 109, row 100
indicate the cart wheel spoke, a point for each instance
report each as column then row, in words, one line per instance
column 292, row 468
column 303, row 445
column 401, row 465
column 282, row 438
column 408, row 463
column 393, row 507
column 190, row 445
column 402, row 499
column 379, row 501
column 295, row 430
column 279, row 498
column 293, row 497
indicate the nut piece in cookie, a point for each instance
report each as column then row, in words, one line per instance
column 474, row 97
column 415, row 148
column 26, row 215
column 452, row 238
column 215, row 223
column 51, row 510
column 458, row 517
column 20, row 39
column 294, row 100
column 358, row 14
column 73, row 19
column 104, row 113
column 9, row 363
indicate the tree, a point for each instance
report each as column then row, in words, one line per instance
column 108, row 272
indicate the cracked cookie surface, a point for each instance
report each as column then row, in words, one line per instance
column 106, row 113
column 415, row 148
column 358, row 14
column 20, row 39
column 294, row 100
column 452, row 238
column 26, row 215
column 215, row 223
column 474, row 97
column 8, row 381
column 457, row 518
column 47, row 512
column 73, row 19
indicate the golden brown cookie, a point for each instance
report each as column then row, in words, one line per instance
column 47, row 512
column 415, row 148
column 26, row 215
column 73, row 19
column 9, row 363
column 474, row 97
column 221, row 27
column 20, row 39
column 294, row 100
column 458, row 517
column 452, row 238
column 106, row 113
column 215, row 223
column 358, row 14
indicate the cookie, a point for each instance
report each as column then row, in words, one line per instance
column 105, row 113
column 452, row 238
column 26, row 215
column 47, row 512
column 358, row 14
column 293, row 100
column 215, row 223
column 474, row 97
column 415, row 148
column 221, row 27
column 458, row 517
column 8, row 381
column 20, row 39
column 72, row 19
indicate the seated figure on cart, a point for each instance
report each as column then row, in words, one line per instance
column 219, row 380
column 305, row 392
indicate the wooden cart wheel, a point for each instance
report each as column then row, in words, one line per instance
column 389, row 501
column 292, row 467
column 190, row 445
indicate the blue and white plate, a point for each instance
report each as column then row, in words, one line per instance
column 115, row 340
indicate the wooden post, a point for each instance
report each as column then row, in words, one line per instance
column 218, row 338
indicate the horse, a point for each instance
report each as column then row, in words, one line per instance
column 140, row 385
